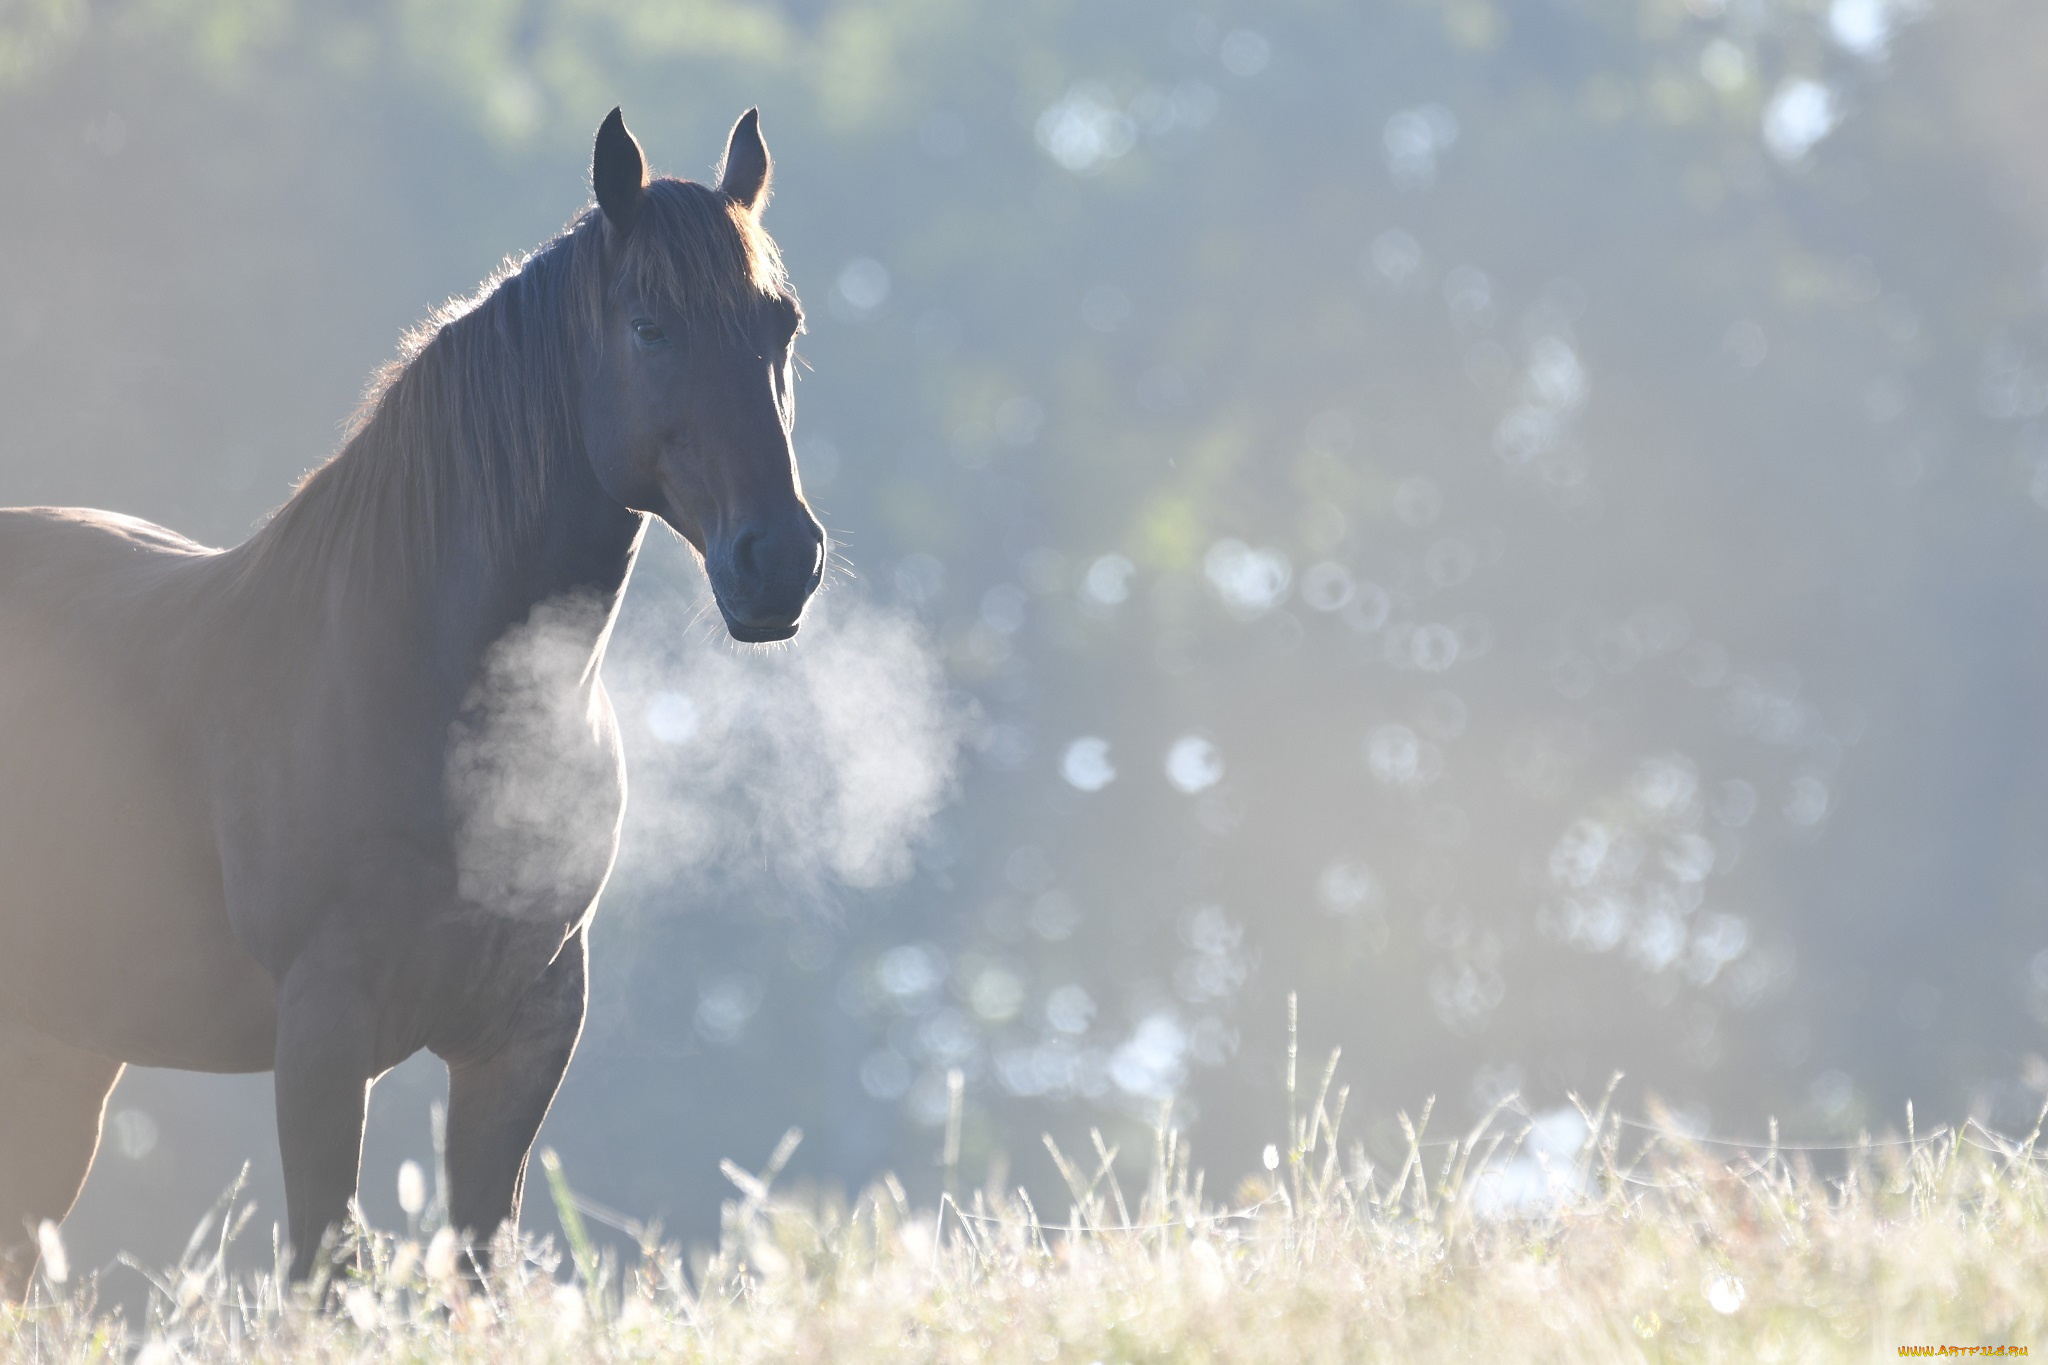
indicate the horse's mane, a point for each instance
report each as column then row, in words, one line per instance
column 456, row 439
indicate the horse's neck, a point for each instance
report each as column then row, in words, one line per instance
column 363, row 559
column 567, row 570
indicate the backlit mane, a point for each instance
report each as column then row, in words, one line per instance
column 456, row 439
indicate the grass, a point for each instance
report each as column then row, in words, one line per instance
column 1633, row 1243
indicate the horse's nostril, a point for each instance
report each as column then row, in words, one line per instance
column 772, row 561
column 746, row 555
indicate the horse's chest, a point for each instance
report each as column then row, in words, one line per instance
column 535, row 794
column 535, row 788
column 464, row 982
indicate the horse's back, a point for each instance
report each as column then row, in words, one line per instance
column 110, row 898
column 44, row 549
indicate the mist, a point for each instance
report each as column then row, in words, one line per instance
column 806, row 767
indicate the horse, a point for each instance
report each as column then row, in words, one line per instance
column 351, row 789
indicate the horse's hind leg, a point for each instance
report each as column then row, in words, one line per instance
column 496, row 1102
column 51, row 1099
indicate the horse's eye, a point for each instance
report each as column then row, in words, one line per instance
column 647, row 334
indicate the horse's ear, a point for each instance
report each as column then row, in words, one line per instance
column 618, row 172
column 746, row 169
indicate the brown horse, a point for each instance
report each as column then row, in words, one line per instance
column 351, row 788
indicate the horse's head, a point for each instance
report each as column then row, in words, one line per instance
column 687, row 401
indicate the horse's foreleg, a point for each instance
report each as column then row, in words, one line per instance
column 326, row 1055
column 496, row 1102
column 51, row 1099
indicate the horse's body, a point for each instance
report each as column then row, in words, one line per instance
column 262, row 808
column 110, row 677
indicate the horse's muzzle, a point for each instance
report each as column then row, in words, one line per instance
column 768, row 580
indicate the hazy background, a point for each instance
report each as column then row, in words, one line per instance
column 1523, row 524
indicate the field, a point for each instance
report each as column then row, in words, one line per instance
column 1591, row 1239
